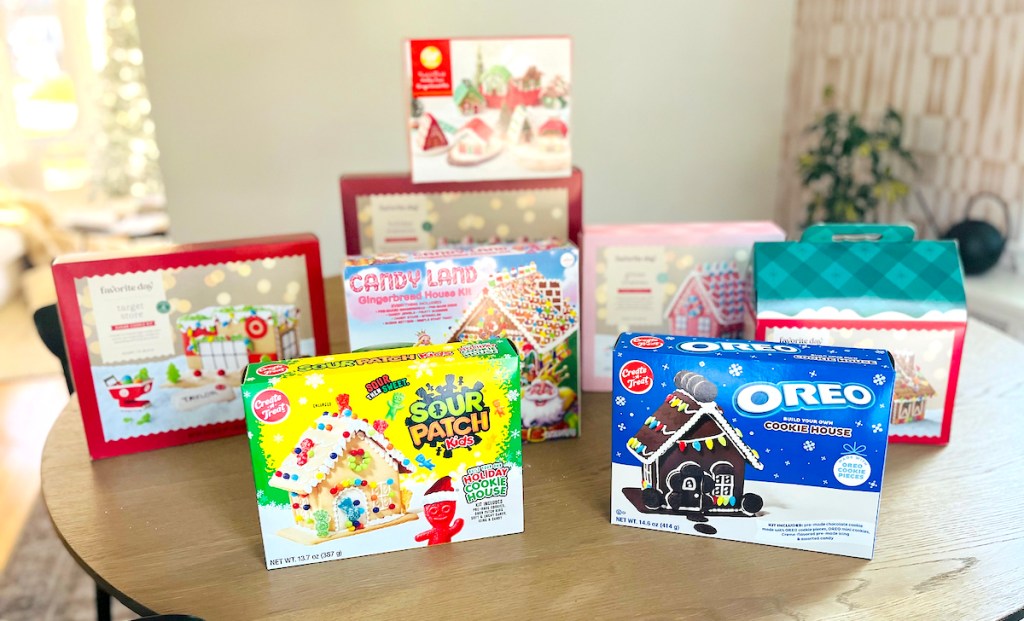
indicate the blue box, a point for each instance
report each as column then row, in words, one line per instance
column 774, row 443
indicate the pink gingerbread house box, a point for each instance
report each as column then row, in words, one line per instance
column 679, row 278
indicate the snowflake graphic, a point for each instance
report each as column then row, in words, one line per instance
column 622, row 427
column 877, row 428
column 250, row 435
column 813, row 373
column 878, row 379
column 246, row 394
column 776, row 475
column 664, row 367
column 768, row 450
column 423, row 367
column 808, row 446
column 860, row 424
column 303, row 401
column 519, row 454
column 787, row 462
column 872, row 485
column 670, row 338
column 664, row 385
column 735, row 370
column 259, row 493
column 620, row 401
column 619, row 354
column 824, row 481
column 512, row 395
column 618, row 453
column 315, row 380
column 274, row 380
column 278, row 438
column 701, row 363
column 823, row 458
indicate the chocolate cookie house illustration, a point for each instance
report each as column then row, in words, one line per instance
column 912, row 390
column 693, row 459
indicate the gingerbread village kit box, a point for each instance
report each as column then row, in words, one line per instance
column 158, row 339
column 528, row 293
column 489, row 108
column 363, row 453
column 678, row 278
column 873, row 286
column 390, row 213
column 772, row 443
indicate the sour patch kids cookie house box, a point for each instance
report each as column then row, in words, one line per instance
column 358, row 454
column 763, row 442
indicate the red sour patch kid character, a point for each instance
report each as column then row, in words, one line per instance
column 439, row 509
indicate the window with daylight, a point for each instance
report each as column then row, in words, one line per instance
column 74, row 109
column 227, row 355
column 704, row 326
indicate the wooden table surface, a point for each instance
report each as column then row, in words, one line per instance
column 176, row 530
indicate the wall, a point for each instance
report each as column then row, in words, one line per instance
column 260, row 105
column 954, row 69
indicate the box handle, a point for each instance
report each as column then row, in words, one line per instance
column 834, row 232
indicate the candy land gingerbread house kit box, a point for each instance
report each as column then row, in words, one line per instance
column 528, row 293
column 873, row 286
column 363, row 453
column 683, row 279
column 158, row 339
column 768, row 443
column 489, row 108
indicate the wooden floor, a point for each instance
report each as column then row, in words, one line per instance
column 28, row 408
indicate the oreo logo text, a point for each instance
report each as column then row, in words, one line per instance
column 704, row 346
column 761, row 399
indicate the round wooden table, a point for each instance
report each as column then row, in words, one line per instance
column 176, row 530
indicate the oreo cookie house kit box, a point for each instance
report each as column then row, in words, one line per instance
column 873, row 286
column 158, row 338
column 769, row 443
column 357, row 454
column 528, row 293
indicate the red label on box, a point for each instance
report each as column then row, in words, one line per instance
column 431, row 68
column 636, row 377
column 646, row 342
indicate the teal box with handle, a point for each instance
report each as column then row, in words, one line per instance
column 872, row 286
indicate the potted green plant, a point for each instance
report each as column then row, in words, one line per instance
column 853, row 168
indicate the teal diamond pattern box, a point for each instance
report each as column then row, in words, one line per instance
column 872, row 286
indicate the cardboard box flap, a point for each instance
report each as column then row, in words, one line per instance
column 867, row 277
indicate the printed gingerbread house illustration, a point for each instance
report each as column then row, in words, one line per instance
column 494, row 85
column 343, row 477
column 710, row 302
column 475, row 138
column 912, row 390
column 523, row 306
column 519, row 129
column 468, row 99
column 227, row 338
column 430, row 136
column 693, row 460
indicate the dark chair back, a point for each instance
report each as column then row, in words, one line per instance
column 48, row 327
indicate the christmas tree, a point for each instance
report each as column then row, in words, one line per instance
column 173, row 374
column 125, row 158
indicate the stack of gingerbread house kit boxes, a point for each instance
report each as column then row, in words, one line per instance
column 873, row 286
column 680, row 278
column 528, row 293
column 158, row 339
column 772, row 443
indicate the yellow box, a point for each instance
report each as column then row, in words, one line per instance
column 372, row 452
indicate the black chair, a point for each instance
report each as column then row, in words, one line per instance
column 48, row 326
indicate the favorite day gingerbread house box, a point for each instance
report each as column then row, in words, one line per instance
column 681, row 278
column 474, row 102
column 371, row 452
column 873, row 286
column 158, row 339
column 527, row 293
column 762, row 442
